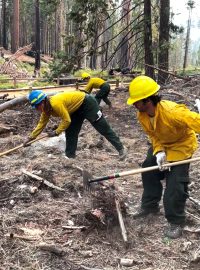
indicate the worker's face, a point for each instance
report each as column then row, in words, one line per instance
column 40, row 107
column 141, row 106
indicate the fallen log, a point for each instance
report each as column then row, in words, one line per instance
column 11, row 103
column 17, row 101
column 170, row 73
column 38, row 178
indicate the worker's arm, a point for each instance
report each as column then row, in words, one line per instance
column 157, row 146
column 183, row 116
column 44, row 119
column 63, row 113
column 89, row 87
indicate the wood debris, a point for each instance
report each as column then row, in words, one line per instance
column 38, row 178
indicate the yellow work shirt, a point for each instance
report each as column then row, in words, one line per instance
column 63, row 105
column 94, row 83
column 173, row 130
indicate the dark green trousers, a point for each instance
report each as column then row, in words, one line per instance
column 175, row 193
column 103, row 93
column 89, row 110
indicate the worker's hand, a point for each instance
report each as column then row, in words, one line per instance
column 52, row 133
column 26, row 142
column 160, row 159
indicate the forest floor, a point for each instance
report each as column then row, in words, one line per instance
column 34, row 217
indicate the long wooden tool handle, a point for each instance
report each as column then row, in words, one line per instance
column 21, row 145
column 142, row 170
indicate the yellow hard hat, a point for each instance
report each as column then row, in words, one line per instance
column 85, row 75
column 141, row 87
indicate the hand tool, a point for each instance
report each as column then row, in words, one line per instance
column 21, row 145
column 88, row 180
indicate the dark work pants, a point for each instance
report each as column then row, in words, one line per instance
column 176, row 191
column 89, row 110
column 103, row 93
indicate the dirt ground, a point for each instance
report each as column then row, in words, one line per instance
column 34, row 217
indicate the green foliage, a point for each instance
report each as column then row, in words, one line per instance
column 93, row 73
column 87, row 14
column 175, row 29
column 42, row 83
column 191, row 70
column 191, row 4
column 167, row 241
column 61, row 64
column 48, row 7
column 10, row 85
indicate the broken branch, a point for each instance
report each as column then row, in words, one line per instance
column 121, row 221
column 16, row 236
column 38, row 178
column 73, row 227
column 170, row 73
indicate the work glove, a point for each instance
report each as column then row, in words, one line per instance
column 26, row 142
column 160, row 159
column 52, row 133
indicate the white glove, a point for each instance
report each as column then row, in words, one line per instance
column 160, row 159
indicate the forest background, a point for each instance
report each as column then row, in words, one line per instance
column 100, row 34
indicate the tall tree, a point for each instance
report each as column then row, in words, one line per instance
column 190, row 6
column 15, row 27
column 37, row 36
column 163, row 54
column 148, row 39
column 124, row 50
column 4, row 28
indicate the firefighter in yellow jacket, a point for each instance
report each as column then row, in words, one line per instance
column 171, row 128
column 97, row 83
column 72, row 108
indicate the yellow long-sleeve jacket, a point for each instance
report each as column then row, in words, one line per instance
column 63, row 105
column 173, row 130
column 93, row 83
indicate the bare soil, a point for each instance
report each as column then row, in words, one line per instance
column 33, row 215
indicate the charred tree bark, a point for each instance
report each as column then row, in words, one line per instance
column 4, row 30
column 15, row 27
column 37, row 37
column 124, row 51
column 163, row 55
column 148, row 39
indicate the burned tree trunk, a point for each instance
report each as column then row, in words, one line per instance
column 15, row 27
column 148, row 39
column 163, row 55
column 37, row 37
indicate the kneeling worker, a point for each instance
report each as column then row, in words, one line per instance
column 72, row 107
column 98, row 83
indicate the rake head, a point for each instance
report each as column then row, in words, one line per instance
column 86, row 180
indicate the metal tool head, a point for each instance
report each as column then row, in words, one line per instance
column 86, row 180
